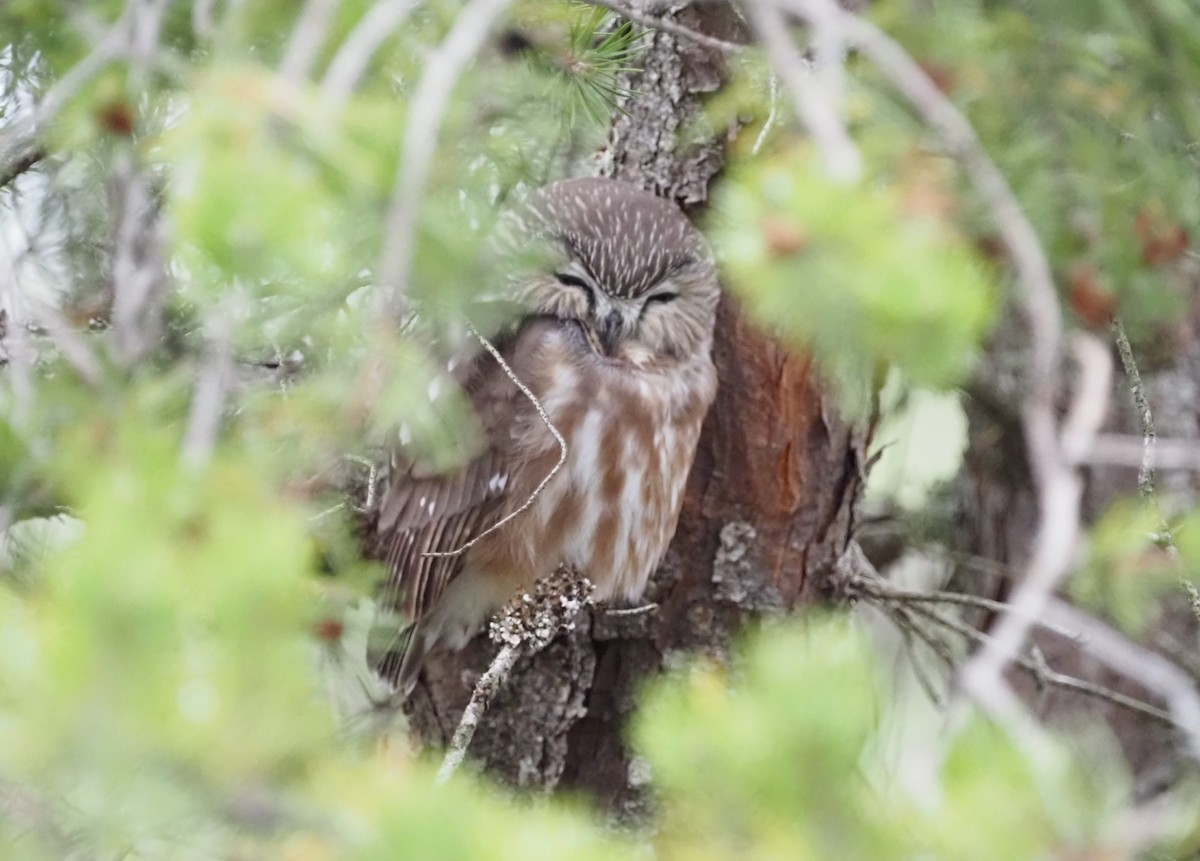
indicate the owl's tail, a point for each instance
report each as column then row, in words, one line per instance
column 397, row 654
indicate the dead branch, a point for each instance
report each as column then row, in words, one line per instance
column 1131, row 451
column 814, row 103
column 1148, row 668
column 525, row 626
column 353, row 57
column 859, row 579
column 309, row 34
column 443, row 67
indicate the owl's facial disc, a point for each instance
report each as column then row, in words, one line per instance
column 608, row 320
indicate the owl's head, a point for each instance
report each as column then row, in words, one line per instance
column 628, row 266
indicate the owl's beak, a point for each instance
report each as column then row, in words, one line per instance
column 610, row 329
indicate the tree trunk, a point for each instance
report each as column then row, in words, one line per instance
column 769, row 505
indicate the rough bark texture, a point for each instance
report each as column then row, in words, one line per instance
column 769, row 504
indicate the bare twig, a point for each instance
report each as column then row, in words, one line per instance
column 139, row 270
column 815, row 107
column 353, row 57
column 1044, row 675
column 880, row 588
column 202, row 18
column 772, row 116
column 1149, row 669
column 443, row 67
column 208, row 401
column 860, row 579
column 1138, row 389
column 1060, row 496
column 667, row 26
column 537, row 491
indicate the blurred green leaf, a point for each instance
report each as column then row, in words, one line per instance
column 847, row 272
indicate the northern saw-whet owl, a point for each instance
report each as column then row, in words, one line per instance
column 614, row 341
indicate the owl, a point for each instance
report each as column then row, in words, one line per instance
column 613, row 340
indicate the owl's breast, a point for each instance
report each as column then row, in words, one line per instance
column 612, row 510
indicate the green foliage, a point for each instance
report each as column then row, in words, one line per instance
column 1084, row 107
column 781, row 756
column 1127, row 572
column 169, row 623
column 845, row 270
column 596, row 58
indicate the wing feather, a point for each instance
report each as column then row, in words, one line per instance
column 424, row 513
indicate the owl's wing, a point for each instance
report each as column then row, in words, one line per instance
column 424, row 513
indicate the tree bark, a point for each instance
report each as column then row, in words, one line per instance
column 769, row 506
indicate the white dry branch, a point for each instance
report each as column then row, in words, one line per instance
column 918, row 614
column 1121, row 450
column 815, row 95
column 1148, row 668
column 308, row 35
column 353, row 57
column 1053, row 452
column 443, row 67
column 481, row 697
column 208, row 399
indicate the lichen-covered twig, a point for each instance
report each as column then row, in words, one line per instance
column 1145, row 478
column 525, row 626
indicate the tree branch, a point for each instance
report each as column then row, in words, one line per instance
column 1148, row 668
column 667, row 26
column 814, row 103
column 443, row 67
column 1146, row 467
column 353, row 57
column 526, row 625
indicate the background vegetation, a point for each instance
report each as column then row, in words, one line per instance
column 214, row 216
